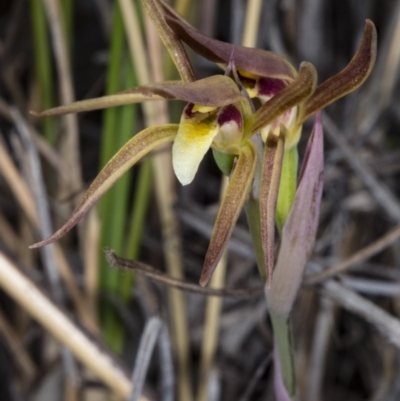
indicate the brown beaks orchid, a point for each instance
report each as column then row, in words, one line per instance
column 219, row 115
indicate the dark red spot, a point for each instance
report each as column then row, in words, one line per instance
column 230, row 113
column 270, row 86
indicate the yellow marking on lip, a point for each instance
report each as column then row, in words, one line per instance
column 202, row 109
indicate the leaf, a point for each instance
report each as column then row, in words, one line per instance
column 214, row 91
column 299, row 231
column 123, row 160
column 349, row 79
column 235, row 196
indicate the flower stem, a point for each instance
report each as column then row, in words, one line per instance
column 284, row 345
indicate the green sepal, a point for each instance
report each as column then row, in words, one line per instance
column 224, row 161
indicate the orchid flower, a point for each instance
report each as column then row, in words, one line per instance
column 219, row 115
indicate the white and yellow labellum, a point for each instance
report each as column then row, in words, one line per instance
column 195, row 135
column 198, row 131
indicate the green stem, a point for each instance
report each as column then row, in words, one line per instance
column 284, row 344
column 287, row 186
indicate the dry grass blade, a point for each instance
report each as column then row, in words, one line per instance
column 17, row 185
column 33, row 300
column 70, row 146
column 145, row 350
column 91, row 261
column 214, row 306
column 379, row 191
column 13, row 341
column 164, row 187
column 212, row 317
column 318, row 359
column 166, row 365
column 25, row 199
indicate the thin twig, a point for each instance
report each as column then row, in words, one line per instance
column 139, row 267
column 386, row 324
column 379, row 191
column 357, row 258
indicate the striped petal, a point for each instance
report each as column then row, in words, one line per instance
column 127, row 156
column 230, row 209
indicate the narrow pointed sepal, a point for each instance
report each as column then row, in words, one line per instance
column 175, row 48
column 230, row 209
column 271, row 174
column 98, row 103
column 299, row 231
column 299, row 90
column 214, row 91
column 347, row 80
column 255, row 61
column 125, row 158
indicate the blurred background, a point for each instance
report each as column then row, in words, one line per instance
column 346, row 326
